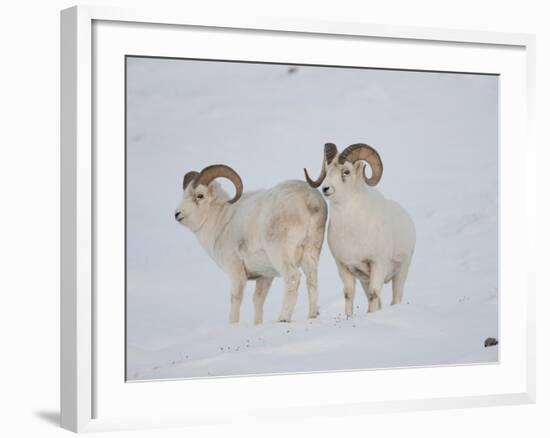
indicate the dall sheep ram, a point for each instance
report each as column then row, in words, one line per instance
column 257, row 235
column 371, row 238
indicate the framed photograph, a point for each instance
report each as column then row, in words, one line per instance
column 290, row 218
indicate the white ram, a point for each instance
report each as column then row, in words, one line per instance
column 257, row 235
column 371, row 238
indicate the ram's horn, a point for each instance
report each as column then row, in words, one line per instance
column 330, row 152
column 189, row 176
column 361, row 151
column 209, row 173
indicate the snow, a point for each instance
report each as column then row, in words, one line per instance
column 437, row 134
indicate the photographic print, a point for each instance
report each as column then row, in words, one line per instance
column 302, row 218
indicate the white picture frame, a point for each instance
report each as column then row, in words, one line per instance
column 86, row 377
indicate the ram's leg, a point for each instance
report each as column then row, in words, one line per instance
column 309, row 266
column 349, row 287
column 262, row 287
column 374, row 287
column 284, row 248
column 398, row 283
column 238, row 283
column 312, row 250
column 291, row 276
column 365, row 285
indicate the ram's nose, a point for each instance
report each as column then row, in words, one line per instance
column 326, row 189
column 177, row 215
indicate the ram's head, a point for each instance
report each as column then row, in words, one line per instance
column 346, row 169
column 201, row 193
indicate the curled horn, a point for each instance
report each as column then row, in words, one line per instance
column 361, row 151
column 330, row 153
column 189, row 176
column 209, row 173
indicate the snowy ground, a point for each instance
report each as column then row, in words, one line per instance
column 437, row 135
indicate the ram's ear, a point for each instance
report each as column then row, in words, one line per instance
column 214, row 188
column 362, row 169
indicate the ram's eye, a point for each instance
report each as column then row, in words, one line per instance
column 346, row 172
column 200, row 196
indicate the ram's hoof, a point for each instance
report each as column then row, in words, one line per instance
column 283, row 320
